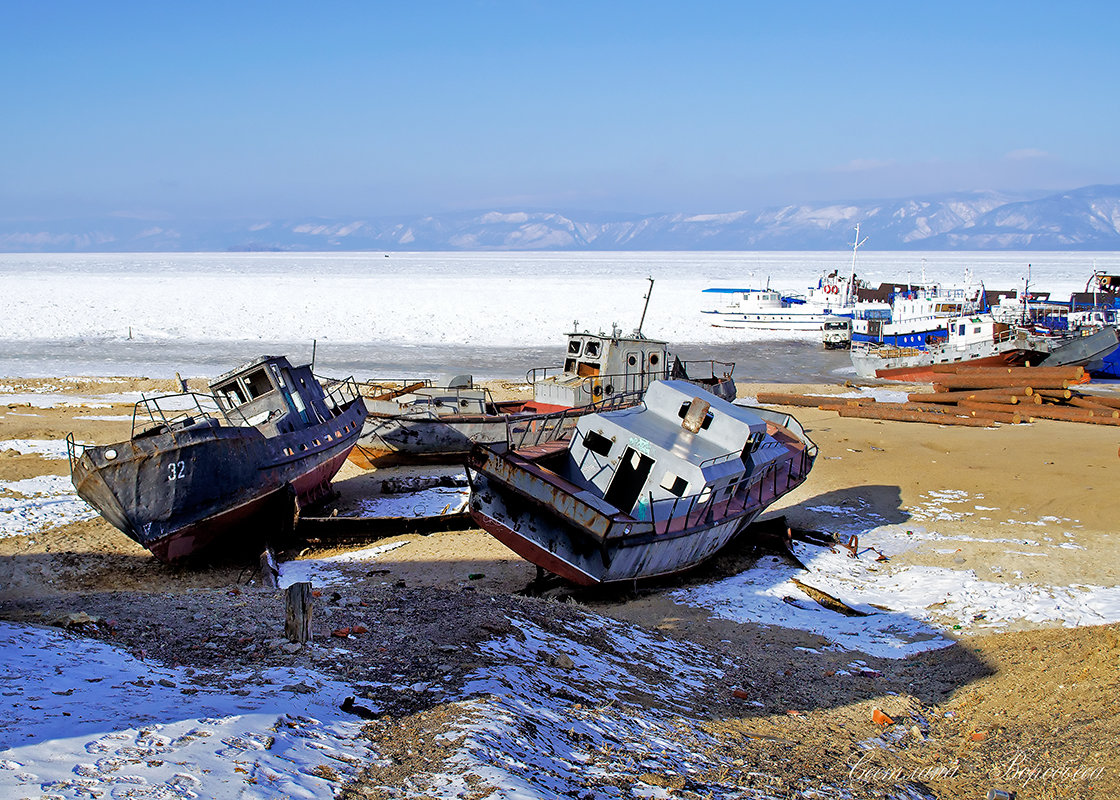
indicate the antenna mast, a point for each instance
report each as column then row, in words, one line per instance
column 642, row 321
column 855, row 246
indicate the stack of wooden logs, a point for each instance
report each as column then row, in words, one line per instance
column 979, row 397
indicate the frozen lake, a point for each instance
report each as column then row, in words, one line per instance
column 490, row 314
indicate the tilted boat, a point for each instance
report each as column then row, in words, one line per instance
column 439, row 424
column 980, row 340
column 199, row 467
column 639, row 492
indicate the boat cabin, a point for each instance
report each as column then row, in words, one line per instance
column 680, row 442
column 597, row 366
column 269, row 388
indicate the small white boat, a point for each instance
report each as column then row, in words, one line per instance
column 767, row 309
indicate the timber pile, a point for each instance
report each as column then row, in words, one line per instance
column 980, row 397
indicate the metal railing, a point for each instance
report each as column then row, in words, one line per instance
column 172, row 419
column 537, row 429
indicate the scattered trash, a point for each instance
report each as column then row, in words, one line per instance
column 879, row 718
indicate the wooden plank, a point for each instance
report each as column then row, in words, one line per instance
column 881, row 412
column 297, row 612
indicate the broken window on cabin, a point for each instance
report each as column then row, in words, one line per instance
column 231, row 394
column 597, row 443
column 674, row 484
column 573, row 346
column 592, row 348
column 258, row 384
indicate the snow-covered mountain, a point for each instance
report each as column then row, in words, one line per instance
column 1081, row 219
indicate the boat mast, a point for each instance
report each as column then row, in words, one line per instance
column 851, row 293
column 638, row 332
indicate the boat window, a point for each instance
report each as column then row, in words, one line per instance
column 231, row 394
column 574, row 346
column 570, row 365
column 960, row 330
column 632, row 360
column 592, row 348
column 258, row 384
column 597, row 443
column 654, row 358
column 674, row 484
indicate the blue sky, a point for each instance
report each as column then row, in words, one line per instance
column 362, row 109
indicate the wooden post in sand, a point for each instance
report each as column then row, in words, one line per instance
column 297, row 612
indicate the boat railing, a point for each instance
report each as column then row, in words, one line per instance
column 389, row 388
column 601, row 384
column 726, row 368
column 176, row 411
column 712, row 504
column 340, row 393
column 538, row 429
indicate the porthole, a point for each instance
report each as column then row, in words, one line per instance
column 654, row 358
column 110, row 454
column 632, row 360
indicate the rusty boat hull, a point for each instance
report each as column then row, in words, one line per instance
column 519, row 498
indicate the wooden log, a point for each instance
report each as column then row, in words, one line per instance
column 1010, row 396
column 1070, row 414
column 1063, row 373
column 1054, row 394
column 297, row 612
column 936, row 408
column 828, row 601
column 811, row 400
column 980, row 405
column 901, row 415
column 1111, row 402
column 1098, row 409
column 951, row 382
column 1006, row 417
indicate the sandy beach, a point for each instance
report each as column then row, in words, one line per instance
column 987, row 558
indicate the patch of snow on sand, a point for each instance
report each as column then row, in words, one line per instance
column 923, row 601
column 424, row 503
column 34, row 504
column 320, row 572
column 541, row 725
column 108, row 725
column 47, row 448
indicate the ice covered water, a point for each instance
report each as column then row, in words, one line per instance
column 491, row 314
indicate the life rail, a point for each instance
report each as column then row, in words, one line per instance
column 538, row 429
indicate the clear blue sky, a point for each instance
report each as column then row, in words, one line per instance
column 377, row 108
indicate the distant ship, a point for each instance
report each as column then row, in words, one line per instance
column 767, row 309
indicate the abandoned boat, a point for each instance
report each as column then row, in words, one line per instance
column 420, row 422
column 981, row 341
column 198, row 467
column 639, row 492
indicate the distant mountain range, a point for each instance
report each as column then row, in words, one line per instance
column 1081, row 219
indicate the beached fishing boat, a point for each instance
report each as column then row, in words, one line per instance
column 199, row 467
column 640, row 492
column 422, row 423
